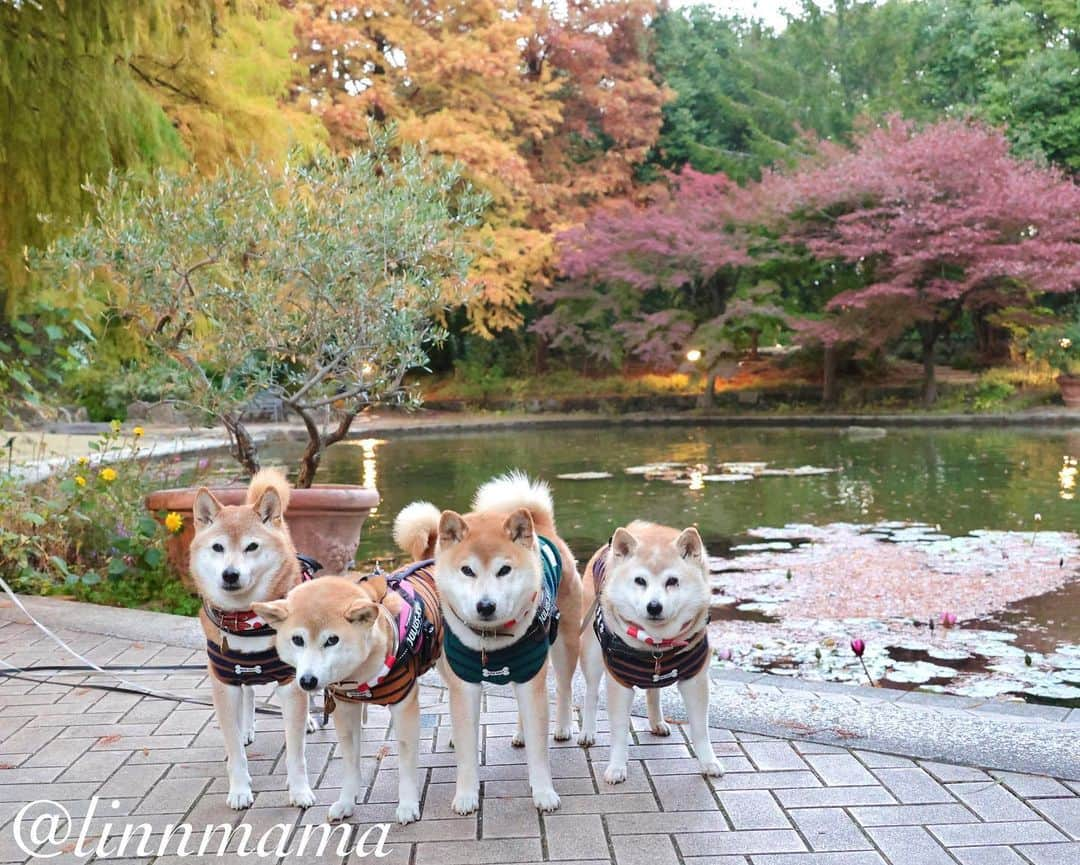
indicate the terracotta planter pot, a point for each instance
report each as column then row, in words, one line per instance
column 1070, row 390
column 324, row 521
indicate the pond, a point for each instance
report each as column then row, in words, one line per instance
column 907, row 528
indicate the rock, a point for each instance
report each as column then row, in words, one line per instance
column 168, row 414
column 138, row 410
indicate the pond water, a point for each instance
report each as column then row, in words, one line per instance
column 1019, row 622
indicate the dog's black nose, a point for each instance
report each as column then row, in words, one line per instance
column 485, row 607
column 309, row 683
column 230, row 576
column 654, row 609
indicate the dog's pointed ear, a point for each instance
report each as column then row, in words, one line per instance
column 268, row 507
column 362, row 612
column 452, row 528
column 690, row 545
column 274, row 612
column 206, row 507
column 623, row 543
column 519, row 527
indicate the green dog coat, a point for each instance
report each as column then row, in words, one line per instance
column 523, row 660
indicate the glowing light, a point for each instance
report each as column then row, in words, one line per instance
column 694, row 355
column 369, row 467
column 1067, row 478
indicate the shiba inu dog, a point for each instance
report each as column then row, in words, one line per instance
column 364, row 642
column 647, row 596
column 242, row 555
column 504, row 578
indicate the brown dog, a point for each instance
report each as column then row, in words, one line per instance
column 504, row 579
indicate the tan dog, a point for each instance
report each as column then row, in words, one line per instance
column 364, row 642
column 242, row 555
column 647, row 595
column 497, row 570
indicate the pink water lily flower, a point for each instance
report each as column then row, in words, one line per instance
column 948, row 619
column 858, row 647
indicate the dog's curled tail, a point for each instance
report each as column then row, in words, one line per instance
column 516, row 490
column 416, row 529
column 265, row 480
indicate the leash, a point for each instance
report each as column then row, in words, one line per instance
column 125, row 687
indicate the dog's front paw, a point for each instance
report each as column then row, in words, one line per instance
column 615, row 774
column 660, row 728
column 342, row 809
column 711, row 768
column 563, row 734
column 301, row 797
column 407, row 812
column 240, row 798
column 586, row 739
column 466, row 803
column 545, row 800
column 312, row 725
column 517, row 740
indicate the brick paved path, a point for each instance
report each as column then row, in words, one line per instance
column 780, row 802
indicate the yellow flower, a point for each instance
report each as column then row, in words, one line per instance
column 114, row 426
column 138, row 431
column 84, row 461
column 80, row 480
column 174, row 522
column 107, row 475
column 1065, row 342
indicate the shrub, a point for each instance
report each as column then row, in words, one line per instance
column 85, row 531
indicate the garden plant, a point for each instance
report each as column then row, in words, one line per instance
column 315, row 284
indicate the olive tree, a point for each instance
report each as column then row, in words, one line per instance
column 317, row 283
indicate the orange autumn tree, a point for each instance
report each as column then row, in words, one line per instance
column 547, row 110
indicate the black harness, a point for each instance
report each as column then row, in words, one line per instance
column 654, row 667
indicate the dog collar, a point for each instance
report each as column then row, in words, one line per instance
column 248, row 623
column 503, row 630
column 636, row 632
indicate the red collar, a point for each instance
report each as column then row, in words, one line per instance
column 248, row 622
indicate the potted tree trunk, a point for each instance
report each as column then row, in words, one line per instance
column 316, row 284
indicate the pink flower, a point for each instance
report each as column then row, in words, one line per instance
column 724, row 654
column 858, row 647
column 948, row 619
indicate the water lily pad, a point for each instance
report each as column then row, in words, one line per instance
column 768, row 545
column 650, row 468
column 745, row 468
column 918, row 673
column 797, row 472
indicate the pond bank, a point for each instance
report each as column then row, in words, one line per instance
column 37, row 452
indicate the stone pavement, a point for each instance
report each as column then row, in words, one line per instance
column 781, row 801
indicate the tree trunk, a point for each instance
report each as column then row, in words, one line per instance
column 541, row 355
column 929, row 345
column 318, row 443
column 755, row 339
column 243, row 447
column 830, row 388
column 708, row 395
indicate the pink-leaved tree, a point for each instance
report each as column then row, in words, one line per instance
column 650, row 282
column 938, row 222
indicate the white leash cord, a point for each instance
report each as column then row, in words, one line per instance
column 132, row 686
